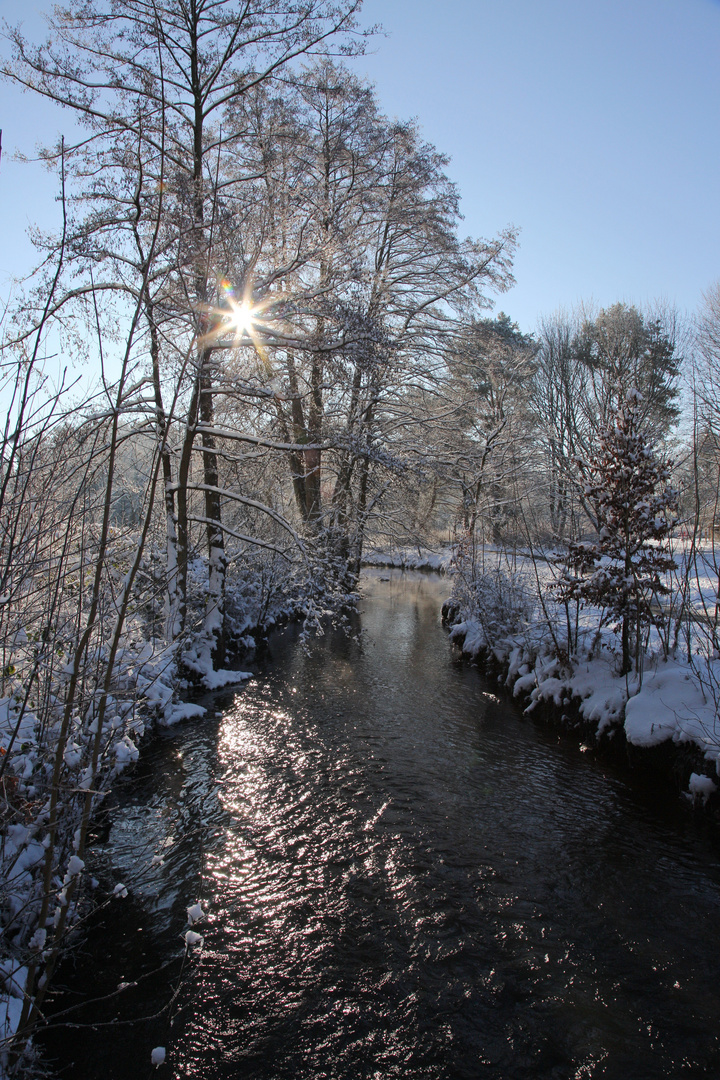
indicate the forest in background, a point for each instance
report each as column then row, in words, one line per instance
column 257, row 348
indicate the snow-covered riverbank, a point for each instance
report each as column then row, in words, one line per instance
column 513, row 625
column 46, row 790
column 671, row 702
column 411, row 559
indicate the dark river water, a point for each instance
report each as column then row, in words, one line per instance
column 403, row 877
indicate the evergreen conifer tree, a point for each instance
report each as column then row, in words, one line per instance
column 623, row 569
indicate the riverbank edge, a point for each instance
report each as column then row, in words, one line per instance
column 668, row 763
column 164, row 690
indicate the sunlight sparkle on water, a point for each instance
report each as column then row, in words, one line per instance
column 257, row 868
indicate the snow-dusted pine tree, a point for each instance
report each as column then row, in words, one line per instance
column 623, row 570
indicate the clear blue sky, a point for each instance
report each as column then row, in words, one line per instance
column 593, row 126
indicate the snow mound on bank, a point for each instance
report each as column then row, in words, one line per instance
column 215, row 680
column 671, row 705
column 602, row 695
column 701, row 787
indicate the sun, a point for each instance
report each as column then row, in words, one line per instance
column 240, row 319
column 236, row 322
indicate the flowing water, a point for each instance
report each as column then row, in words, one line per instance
column 404, row 878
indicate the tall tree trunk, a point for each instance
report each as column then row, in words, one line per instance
column 626, row 661
column 215, row 605
column 627, row 619
column 313, row 455
column 300, row 435
column 354, row 561
column 183, row 529
column 214, row 622
column 172, row 627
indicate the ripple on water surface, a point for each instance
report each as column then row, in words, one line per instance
column 407, row 879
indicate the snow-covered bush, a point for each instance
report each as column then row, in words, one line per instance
column 502, row 600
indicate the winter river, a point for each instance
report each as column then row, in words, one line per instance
column 404, row 878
